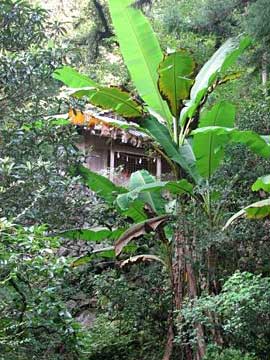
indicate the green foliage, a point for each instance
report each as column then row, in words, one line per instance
column 133, row 306
column 146, row 188
column 254, row 141
column 242, row 311
column 257, row 21
column 142, row 58
column 262, row 183
column 173, row 142
column 35, row 151
column 135, row 211
column 34, row 172
column 112, row 98
column 107, row 98
column 24, row 22
column 215, row 353
column 72, row 78
column 137, row 186
column 222, row 59
column 218, row 17
column 183, row 156
column 26, row 61
column 208, row 148
column 175, row 145
column 138, row 230
column 100, row 184
column 101, row 254
column 35, row 321
column 257, row 210
column 175, row 79
column 132, row 318
column 95, row 235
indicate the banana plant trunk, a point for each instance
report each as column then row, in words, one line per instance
column 185, row 277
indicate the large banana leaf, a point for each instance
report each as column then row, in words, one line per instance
column 222, row 59
column 135, row 211
column 175, row 187
column 257, row 210
column 141, row 52
column 262, row 183
column 95, row 234
column 209, row 148
column 187, row 160
column 138, row 230
column 161, row 134
column 137, row 180
column 175, row 79
column 72, row 78
column 183, row 156
column 252, row 140
column 109, row 98
column 104, row 254
column 109, row 192
column 100, row 184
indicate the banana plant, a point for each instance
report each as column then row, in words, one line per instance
column 170, row 107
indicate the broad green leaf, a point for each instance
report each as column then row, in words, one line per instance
column 262, row 183
column 257, row 210
column 94, row 234
column 141, row 52
column 175, row 79
column 179, row 187
column 161, row 134
column 183, row 156
column 137, row 180
column 72, row 78
column 111, row 98
column 138, row 230
column 100, row 184
column 208, row 148
column 222, row 59
column 175, row 187
column 252, row 140
column 105, row 253
column 187, row 160
column 102, row 254
column 136, row 211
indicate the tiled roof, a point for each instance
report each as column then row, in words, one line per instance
column 108, row 126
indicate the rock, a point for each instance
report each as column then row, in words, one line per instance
column 71, row 304
column 86, row 318
column 63, row 251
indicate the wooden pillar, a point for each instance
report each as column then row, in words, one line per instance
column 159, row 168
column 111, row 164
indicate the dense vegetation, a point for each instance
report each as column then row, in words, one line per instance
column 165, row 270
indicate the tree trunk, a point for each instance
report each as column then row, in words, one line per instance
column 193, row 294
column 170, row 336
